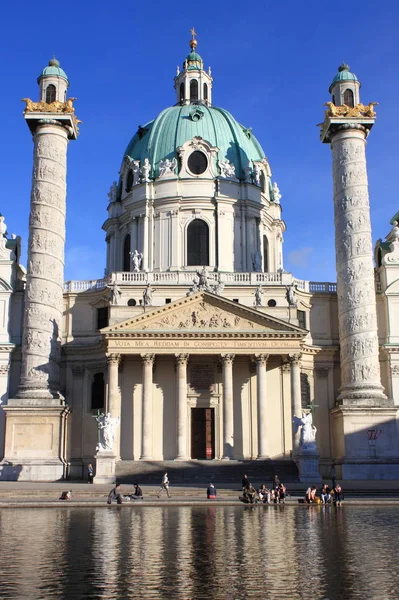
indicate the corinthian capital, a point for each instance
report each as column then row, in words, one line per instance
column 148, row 359
column 227, row 358
column 295, row 359
column 113, row 358
column 261, row 359
column 181, row 359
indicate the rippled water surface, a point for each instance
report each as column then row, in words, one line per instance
column 205, row 552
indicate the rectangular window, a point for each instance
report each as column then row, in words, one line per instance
column 168, row 300
column 301, row 318
column 102, row 317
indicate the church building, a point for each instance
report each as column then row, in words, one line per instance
column 197, row 344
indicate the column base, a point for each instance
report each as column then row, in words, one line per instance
column 262, row 457
column 25, row 469
column 146, row 458
column 105, row 467
column 181, row 458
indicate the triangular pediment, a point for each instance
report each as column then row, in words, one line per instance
column 204, row 313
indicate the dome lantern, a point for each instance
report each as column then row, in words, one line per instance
column 193, row 84
column 345, row 87
column 53, row 82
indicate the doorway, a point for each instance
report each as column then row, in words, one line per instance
column 203, row 433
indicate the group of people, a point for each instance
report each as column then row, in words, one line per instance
column 327, row 495
column 276, row 494
column 115, row 494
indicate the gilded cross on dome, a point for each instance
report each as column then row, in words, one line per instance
column 193, row 33
column 193, row 41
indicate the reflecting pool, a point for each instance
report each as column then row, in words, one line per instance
column 200, row 552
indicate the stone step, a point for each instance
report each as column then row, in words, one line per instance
column 193, row 472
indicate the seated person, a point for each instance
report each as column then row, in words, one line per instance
column 264, row 494
column 250, row 493
column 138, row 493
column 325, row 494
column 66, row 495
column 211, row 492
column 310, row 495
column 338, row 495
column 282, row 492
column 115, row 494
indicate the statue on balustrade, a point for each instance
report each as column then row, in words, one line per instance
column 107, row 427
column 136, row 257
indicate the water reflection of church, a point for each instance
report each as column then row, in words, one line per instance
column 197, row 342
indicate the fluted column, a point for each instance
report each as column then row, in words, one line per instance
column 146, row 423
column 261, row 387
column 181, row 401
column 296, row 397
column 360, row 369
column 41, row 345
column 228, row 414
column 114, row 398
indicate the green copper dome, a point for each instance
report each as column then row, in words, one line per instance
column 344, row 74
column 194, row 61
column 176, row 125
column 53, row 69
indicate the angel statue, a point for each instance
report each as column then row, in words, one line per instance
column 307, row 441
column 167, row 166
column 107, row 427
column 136, row 257
column 393, row 235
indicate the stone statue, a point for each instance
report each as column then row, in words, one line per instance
column 209, row 71
column 248, row 174
column 136, row 172
column 167, row 166
column 136, row 257
column 258, row 296
column 256, row 174
column 3, row 226
column 113, row 192
column 257, row 261
column 107, row 427
column 218, row 288
column 393, row 235
column 147, row 295
column 307, row 440
column 145, row 171
column 115, row 293
column 276, row 193
column 227, row 170
column 193, row 289
column 291, row 295
column 203, row 280
column 177, row 70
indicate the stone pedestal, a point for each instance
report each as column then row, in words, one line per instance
column 366, row 443
column 105, row 467
column 308, row 468
column 35, row 443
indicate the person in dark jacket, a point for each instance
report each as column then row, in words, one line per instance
column 90, row 473
column 211, row 492
column 245, row 483
column 115, row 494
column 138, row 493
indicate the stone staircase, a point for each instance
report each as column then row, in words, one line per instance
column 194, row 472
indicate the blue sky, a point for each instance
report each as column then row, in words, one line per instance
column 272, row 64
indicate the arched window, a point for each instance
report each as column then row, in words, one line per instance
column 182, row 91
column 205, row 91
column 348, row 98
column 98, row 392
column 198, row 243
column 333, row 99
column 262, row 181
column 129, row 180
column 50, row 93
column 194, row 90
column 126, row 253
column 265, row 254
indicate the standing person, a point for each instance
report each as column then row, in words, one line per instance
column 90, row 473
column 164, row 485
column 338, row 495
column 333, row 475
column 211, row 492
column 282, row 493
column 276, row 481
column 115, row 494
column 245, row 483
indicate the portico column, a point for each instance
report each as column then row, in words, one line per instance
column 296, row 397
column 181, row 390
column 228, row 415
column 146, row 418
column 261, row 360
column 114, row 399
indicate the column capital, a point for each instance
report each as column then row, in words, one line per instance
column 285, row 366
column 148, row 359
column 261, row 358
column 227, row 358
column 182, row 359
column 295, row 359
column 113, row 358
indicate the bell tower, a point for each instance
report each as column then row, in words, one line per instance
column 36, row 418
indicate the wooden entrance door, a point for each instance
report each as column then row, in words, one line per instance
column 203, row 433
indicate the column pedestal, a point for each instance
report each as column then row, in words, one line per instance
column 105, row 467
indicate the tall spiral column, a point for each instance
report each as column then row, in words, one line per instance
column 41, row 344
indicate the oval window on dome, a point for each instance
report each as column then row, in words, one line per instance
column 197, row 162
